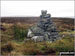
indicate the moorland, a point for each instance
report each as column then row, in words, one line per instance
column 14, row 32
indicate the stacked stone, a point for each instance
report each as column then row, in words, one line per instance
column 45, row 28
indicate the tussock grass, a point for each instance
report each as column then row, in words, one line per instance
column 9, row 45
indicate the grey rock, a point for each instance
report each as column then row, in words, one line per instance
column 45, row 28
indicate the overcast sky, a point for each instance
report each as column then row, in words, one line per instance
column 33, row 8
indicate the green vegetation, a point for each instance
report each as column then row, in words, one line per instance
column 12, row 43
column 67, row 32
column 19, row 34
column 32, row 48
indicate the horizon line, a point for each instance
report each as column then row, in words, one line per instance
column 39, row 16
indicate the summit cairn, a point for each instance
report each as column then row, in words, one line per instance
column 45, row 30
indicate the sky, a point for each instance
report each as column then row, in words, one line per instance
column 33, row 8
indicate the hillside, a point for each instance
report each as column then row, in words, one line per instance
column 34, row 19
column 14, row 39
column 67, row 23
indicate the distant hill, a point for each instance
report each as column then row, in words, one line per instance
column 34, row 19
column 60, row 22
column 18, row 19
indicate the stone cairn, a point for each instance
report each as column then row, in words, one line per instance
column 45, row 30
